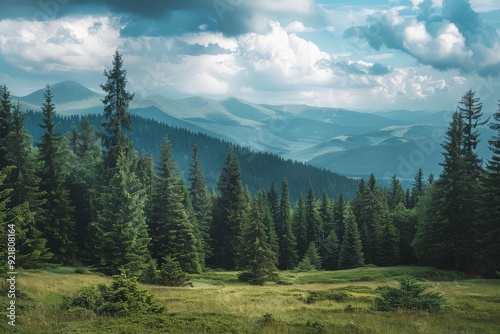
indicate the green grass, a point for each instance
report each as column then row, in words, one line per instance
column 315, row 302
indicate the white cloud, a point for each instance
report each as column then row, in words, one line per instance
column 59, row 45
column 285, row 56
column 297, row 26
column 458, row 39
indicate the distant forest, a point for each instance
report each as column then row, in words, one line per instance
column 258, row 169
column 91, row 194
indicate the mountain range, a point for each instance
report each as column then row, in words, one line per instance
column 348, row 142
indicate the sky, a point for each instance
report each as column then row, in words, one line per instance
column 358, row 54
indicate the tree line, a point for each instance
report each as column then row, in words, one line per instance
column 88, row 197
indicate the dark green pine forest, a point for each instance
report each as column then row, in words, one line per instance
column 121, row 193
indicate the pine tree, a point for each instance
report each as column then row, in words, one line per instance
column 58, row 225
column 314, row 228
column 25, row 200
column 388, row 245
column 22, row 179
column 267, row 216
column 228, row 214
column 274, row 200
column 87, row 140
column 312, row 256
column 396, row 193
column 256, row 255
column 489, row 227
column 286, row 239
column 117, row 120
column 405, row 221
column 83, row 184
column 30, row 250
column 351, row 254
column 331, row 251
column 408, row 199
column 430, row 179
column 418, row 189
column 299, row 225
column 5, row 119
column 201, row 206
column 326, row 210
column 373, row 213
column 338, row 217
column 198, row 188
column 445, row 234
column 122, row 238
column 170, row 229
column 73, row 139
column 470, row 108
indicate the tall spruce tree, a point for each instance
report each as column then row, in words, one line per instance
column 122, row 238
column 373, row 213
column 267, row 218
column 445, row 232
column 314, row 228
column 58, row 224
column 256, row 255
column 470, row 108
column 170, row 228
column 326, row 210
column 25, row 200
column 489, row 228
column 405, row 221
column 228, row 214
column 418, row 189
column 338, row 217
column 351, row 253
column 201, row 206
column 299, row 226
column 396, row 193
column 287, row 243
column 117, row 121
column 198, row 188
column 5, row 119
column 83, row 181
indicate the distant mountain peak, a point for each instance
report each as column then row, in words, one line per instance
column 63, row 92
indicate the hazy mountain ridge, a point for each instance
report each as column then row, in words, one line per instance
column 344, row 141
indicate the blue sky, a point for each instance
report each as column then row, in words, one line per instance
column 362, row 55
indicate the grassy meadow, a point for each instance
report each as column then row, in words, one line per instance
column 311, row 302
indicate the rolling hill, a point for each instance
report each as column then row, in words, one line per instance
column 344, row 141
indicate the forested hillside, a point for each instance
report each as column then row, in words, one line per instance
column 88, row 196
column 258, row 169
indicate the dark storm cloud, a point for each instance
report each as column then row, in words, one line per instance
column 144, row 17
column 145, row 8
column 454, row 38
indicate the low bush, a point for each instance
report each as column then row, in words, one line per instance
column 123, row 297
column 410, row 296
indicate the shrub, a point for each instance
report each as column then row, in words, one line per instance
column 251, row 278
column 122, row 297
column 304, row 265
column 410, row 295
column 171, row 273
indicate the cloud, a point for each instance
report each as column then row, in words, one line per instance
column 297, row 26
column 59, row 45
column 167, row 18
column 361, row 67
column 455, row 39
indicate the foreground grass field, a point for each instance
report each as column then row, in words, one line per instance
column 219, row 303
